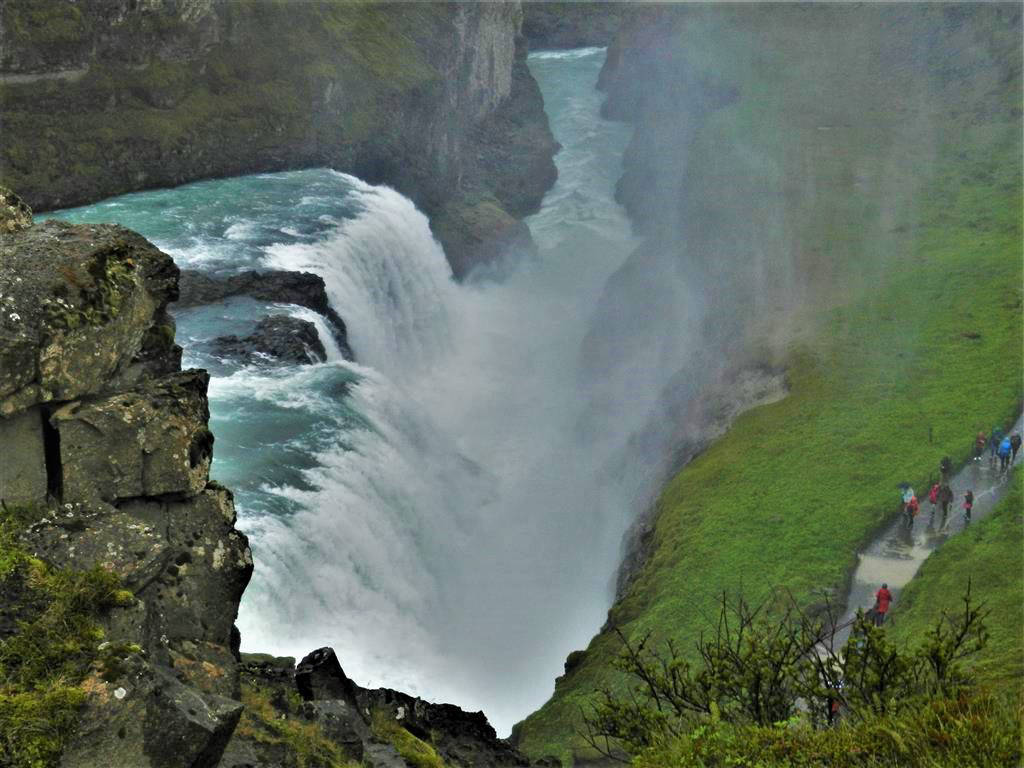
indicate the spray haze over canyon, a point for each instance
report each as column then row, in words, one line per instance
column 450, row 387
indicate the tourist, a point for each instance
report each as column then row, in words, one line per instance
column 1004, row 454
column 882, row 599
column 1014, row 446
column 911, row 511
column 968, row 505
column 945, row 499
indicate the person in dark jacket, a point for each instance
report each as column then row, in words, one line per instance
column 945, row 499
column 994, row 438
column 945, row 467
column 1014, row 446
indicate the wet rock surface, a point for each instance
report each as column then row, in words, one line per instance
column 303, row 289
column 277, row 339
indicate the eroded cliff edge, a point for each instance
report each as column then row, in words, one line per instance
column 101, row 98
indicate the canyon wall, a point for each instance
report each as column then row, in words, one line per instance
column 101, row 98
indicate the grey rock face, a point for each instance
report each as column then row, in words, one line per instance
column 277, row 339
column 109, row 440
column 82, row 311
column 150, row 441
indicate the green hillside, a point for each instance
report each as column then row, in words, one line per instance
column 915, row 345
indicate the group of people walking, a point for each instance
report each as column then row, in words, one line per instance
column 1000, row 447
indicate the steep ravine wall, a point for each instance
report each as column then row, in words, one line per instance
column 101, row 98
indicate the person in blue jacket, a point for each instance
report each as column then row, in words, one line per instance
column 1004, row 453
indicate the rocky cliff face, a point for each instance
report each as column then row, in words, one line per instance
column 573, row 24
column 106, row 477
column 101, row 98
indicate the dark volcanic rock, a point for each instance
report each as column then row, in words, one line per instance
column 283, row 338
column 301, row 288
column 370, row 725
column 319, row 676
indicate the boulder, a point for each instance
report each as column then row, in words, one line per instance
column 146, row 718
column 303, row 289
column 319, row 676
column 81, row 312
column 277, row 339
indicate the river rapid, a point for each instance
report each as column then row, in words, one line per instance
column 447, row 512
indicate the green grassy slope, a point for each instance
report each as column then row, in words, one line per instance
column 889, row 379
column 991, row 555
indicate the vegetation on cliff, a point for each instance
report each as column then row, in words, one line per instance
column 50, row 640
column 912, row 346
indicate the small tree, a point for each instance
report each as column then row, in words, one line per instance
column 760, row 667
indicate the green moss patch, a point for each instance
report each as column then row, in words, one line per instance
column 274, row 719
column 413, row 750
column 55, row 641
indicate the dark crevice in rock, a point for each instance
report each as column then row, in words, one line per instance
column 51, row 453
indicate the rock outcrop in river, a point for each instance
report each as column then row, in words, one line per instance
column 102, row 98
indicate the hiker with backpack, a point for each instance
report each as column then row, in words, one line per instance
column 1014, row 446
column 1003, row 451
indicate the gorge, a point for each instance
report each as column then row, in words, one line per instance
column 470, row 410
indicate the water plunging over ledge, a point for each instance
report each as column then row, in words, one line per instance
column 434, row 511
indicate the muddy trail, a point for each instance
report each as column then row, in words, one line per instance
column 894, row 556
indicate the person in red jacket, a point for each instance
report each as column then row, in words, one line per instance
column 911, row 510
column 882, row 599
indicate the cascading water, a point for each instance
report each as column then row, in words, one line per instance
column 447, row 512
